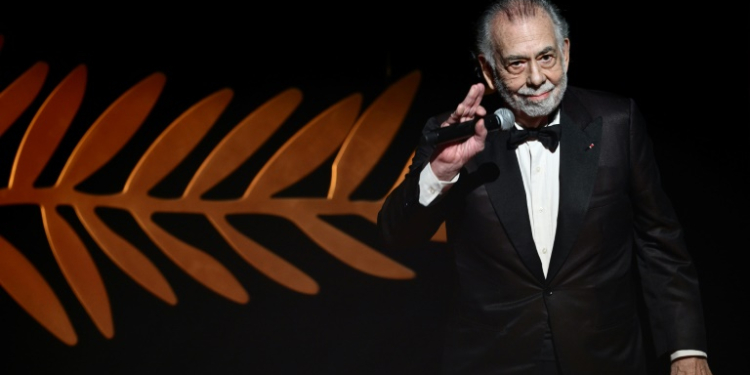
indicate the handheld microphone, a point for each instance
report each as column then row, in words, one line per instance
column 502, row 119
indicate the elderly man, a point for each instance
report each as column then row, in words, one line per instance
column 556, row 225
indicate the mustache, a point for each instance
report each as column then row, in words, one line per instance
column 545, row 87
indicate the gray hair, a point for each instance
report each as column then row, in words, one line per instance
column 516, row 9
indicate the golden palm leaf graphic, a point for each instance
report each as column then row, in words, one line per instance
column 359, row 139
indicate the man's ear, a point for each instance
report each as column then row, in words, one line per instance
column 566, row 53
column 488, row 74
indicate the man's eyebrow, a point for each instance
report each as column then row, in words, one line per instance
column 545, row 51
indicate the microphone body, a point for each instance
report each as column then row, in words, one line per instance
column 503, row 119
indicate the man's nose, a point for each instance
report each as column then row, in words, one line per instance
column 535, row 77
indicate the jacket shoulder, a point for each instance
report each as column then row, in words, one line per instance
column 599, row 102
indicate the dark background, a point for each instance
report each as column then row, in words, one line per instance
column 686, row 69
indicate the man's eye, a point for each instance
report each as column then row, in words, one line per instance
column 515, row 66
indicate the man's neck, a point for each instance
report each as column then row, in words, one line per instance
column 532, row 122
column 536, row 122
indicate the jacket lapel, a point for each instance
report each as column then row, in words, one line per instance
column 579, row 159
column 578, row 167
column 508, row 199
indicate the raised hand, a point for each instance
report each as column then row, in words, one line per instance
column 448, row 158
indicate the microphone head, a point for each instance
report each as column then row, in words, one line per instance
column 505, row 117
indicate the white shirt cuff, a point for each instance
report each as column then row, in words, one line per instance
column 687, row 353
column 430, row 187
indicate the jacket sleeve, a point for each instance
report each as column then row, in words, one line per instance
column 402, row 220
column 667, row 273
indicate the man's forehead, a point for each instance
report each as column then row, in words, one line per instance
column 524, row 32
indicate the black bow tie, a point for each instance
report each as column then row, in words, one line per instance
column 548, row 135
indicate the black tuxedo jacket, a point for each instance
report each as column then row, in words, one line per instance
column 617, row 236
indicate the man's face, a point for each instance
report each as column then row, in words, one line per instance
column 530, row 70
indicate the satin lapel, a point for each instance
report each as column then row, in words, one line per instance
column 579, row 159
column 509, row 201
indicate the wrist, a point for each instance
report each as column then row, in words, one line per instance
column 443, row 172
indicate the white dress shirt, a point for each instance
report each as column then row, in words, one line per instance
column 540, row 170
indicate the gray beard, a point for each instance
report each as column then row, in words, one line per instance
column 534, row 108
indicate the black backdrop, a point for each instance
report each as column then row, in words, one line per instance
column 671, row 62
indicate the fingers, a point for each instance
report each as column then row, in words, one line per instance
column 474, row 97
column 467, row 109
column 470, row 106
column 457, row 114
